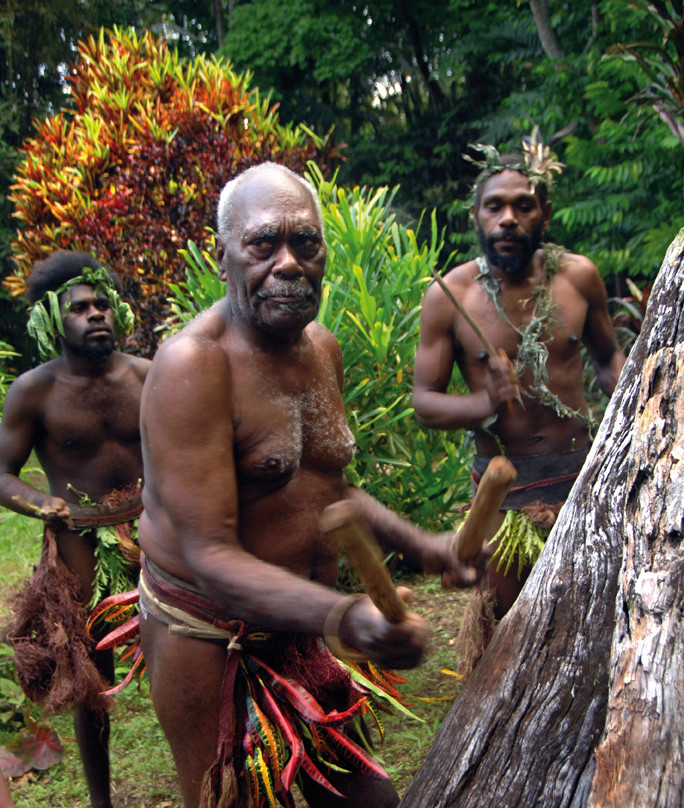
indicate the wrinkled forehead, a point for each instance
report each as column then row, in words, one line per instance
column 270, row 200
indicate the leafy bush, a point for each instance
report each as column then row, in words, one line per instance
column 376, row 276
column 6, row 376
column 133, row 168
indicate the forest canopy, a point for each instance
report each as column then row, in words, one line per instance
column 405, row 89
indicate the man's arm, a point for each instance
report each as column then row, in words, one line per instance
column 433, row 551
column 17, row 435
column 435, row 357
column 599, row 334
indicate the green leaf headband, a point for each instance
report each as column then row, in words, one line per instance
column 45, row 320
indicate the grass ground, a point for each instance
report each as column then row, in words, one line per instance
column 142, row 768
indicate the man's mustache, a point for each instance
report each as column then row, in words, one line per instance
column 509, row 236
column 286, row 289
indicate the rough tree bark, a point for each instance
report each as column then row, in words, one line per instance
column 579, row 699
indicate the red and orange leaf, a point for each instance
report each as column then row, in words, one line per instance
column 120, row 635
column 304, row 703
column 318, row 777
column 357, row 756
column 123, row 600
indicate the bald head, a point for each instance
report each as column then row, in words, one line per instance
column 233, row 188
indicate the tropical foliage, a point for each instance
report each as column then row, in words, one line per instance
column 620, row 201
column 423, row 80
column 662, row 64
column 6, row 374
column 407, row 87
column 376, row 275
column 134, row 168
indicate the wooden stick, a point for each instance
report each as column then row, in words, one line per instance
column 344, row 521
column 499, row 476
column 491, row 350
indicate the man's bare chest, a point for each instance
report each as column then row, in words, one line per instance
column 83, row 417
column 281, row 429
column 554, row 318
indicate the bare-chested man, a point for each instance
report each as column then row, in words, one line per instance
column 537, row 417
column 244, row 444
column 79, row 411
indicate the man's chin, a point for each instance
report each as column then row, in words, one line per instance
column 513, row 262
column 98, row 352
column 510, row 264
column 284, row 318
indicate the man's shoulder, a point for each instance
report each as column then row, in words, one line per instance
column 40, row 377
column 465, row 273
column 323, row 339
column 30, row 392
column 194, row 343
column 558, row 260
column 319, row 333
column 580, row 271
column 138, row 364
column 188, row 342
column 583, row 275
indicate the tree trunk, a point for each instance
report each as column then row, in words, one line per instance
column 547, row 36
column 218, row 20
column 579, row 699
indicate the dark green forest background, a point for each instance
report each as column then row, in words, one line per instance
column 406, row 87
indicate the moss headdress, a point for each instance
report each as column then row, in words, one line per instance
column 45, row 320
column 537, row 163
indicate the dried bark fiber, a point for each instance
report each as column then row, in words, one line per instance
column 53, row 651
column 579, row 699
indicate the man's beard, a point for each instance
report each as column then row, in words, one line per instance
column 97, row 352
column 510, row 264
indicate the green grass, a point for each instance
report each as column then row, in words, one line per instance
column 142, row 769
column 20, row 542
column 143, row 774
column 429, row 689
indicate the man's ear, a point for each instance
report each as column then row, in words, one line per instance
column 547, row 214
column 220, row 255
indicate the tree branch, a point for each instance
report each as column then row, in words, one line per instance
column 547, row 36
column 434, row 89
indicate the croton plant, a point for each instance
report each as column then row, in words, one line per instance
column 132, row 167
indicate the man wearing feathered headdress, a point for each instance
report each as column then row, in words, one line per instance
column 534, row 304
column 79, row 412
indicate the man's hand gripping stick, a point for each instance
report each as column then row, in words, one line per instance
column 345, row 522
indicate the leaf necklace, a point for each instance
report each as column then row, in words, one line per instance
column 533, row 352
